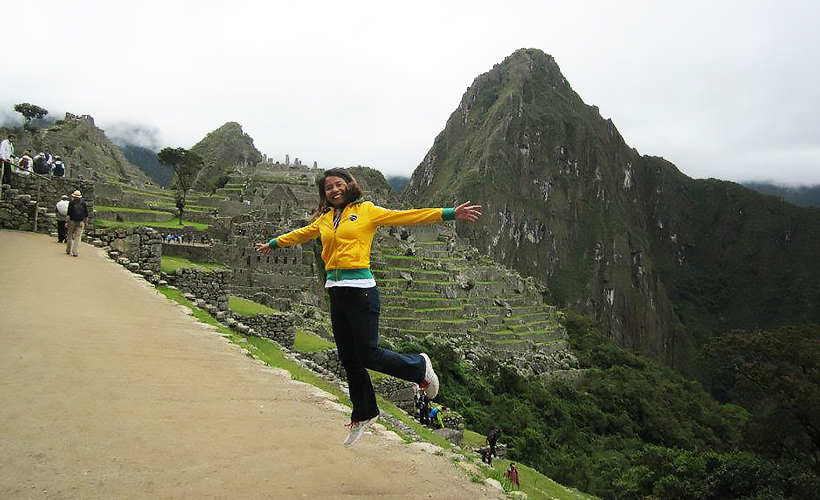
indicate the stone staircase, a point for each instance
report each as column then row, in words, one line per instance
column 441, row 288
column 22, row 212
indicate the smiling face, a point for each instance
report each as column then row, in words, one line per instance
column 336, row 191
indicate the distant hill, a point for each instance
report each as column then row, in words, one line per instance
column 804, row 196
column 376, row 187
column 223, row 149
column 147, row 161
column 399, row 182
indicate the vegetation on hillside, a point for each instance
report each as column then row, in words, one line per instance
column 148, row 162
column 629, row 428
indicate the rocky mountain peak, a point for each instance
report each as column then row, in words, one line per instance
column 622, row 237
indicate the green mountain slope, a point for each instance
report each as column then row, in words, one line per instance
column 662, row 261
column 221, row 150
column 147, row 161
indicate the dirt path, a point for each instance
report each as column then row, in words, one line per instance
column 108, row 390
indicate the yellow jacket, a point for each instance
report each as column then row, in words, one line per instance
column 346, row 249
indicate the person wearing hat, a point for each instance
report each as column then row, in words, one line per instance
column 62, row 212
column 76, row 220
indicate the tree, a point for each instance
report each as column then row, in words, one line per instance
column 30, row 112
column 186, row 165
column 775, row 375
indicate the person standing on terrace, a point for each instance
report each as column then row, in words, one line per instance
column 347, row 224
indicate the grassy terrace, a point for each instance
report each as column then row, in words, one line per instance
column 171, row 224
column 107, row 208
column 170, row 264
column 247, row 307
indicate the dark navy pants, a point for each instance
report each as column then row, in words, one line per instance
column 354, row 313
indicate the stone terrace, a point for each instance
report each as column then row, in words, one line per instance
column 434, row 286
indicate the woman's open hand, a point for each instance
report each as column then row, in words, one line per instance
column 468, row 212
column 263, row 247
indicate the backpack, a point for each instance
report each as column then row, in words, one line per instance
column 75, row 210
column 40, row 165
column 59, row 169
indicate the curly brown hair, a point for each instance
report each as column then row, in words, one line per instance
column 353, row 192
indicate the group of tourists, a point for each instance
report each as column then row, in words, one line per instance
column 174, row 238
column 42, row 163
column 429, row 414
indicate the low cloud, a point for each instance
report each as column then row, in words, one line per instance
column 130, row 134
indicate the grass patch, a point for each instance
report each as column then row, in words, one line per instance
column 172, row 224
column 170, row 264
column 309, row 342
column 247, row 307
column 536, row 485
column 106, row 208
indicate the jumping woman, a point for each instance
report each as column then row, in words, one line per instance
column 347, row 224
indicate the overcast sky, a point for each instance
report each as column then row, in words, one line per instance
column 724, row 89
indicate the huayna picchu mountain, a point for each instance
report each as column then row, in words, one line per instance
column 661, row 260
column 222, row 150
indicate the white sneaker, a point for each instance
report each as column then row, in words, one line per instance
column 356, row 431
column 430, row 384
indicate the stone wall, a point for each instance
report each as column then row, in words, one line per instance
column 192, row 252
column 29, row 200
column 21, row 213
column 47, row 190
column 125, row 216
column 140, row 245
column 280, row 328
column 211, row 286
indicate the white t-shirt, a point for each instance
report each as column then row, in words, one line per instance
column 62, row 207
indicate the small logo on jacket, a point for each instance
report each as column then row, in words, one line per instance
column 353, row 218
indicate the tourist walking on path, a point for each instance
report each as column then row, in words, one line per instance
column 347, row 224
column 76, row 219
column 62, row 214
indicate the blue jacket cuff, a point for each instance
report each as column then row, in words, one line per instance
column 448, row 214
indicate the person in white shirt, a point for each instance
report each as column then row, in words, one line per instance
column 62, row 211
column 6, row 154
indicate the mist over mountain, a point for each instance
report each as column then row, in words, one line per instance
column 804, row 196
column 662, row 261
